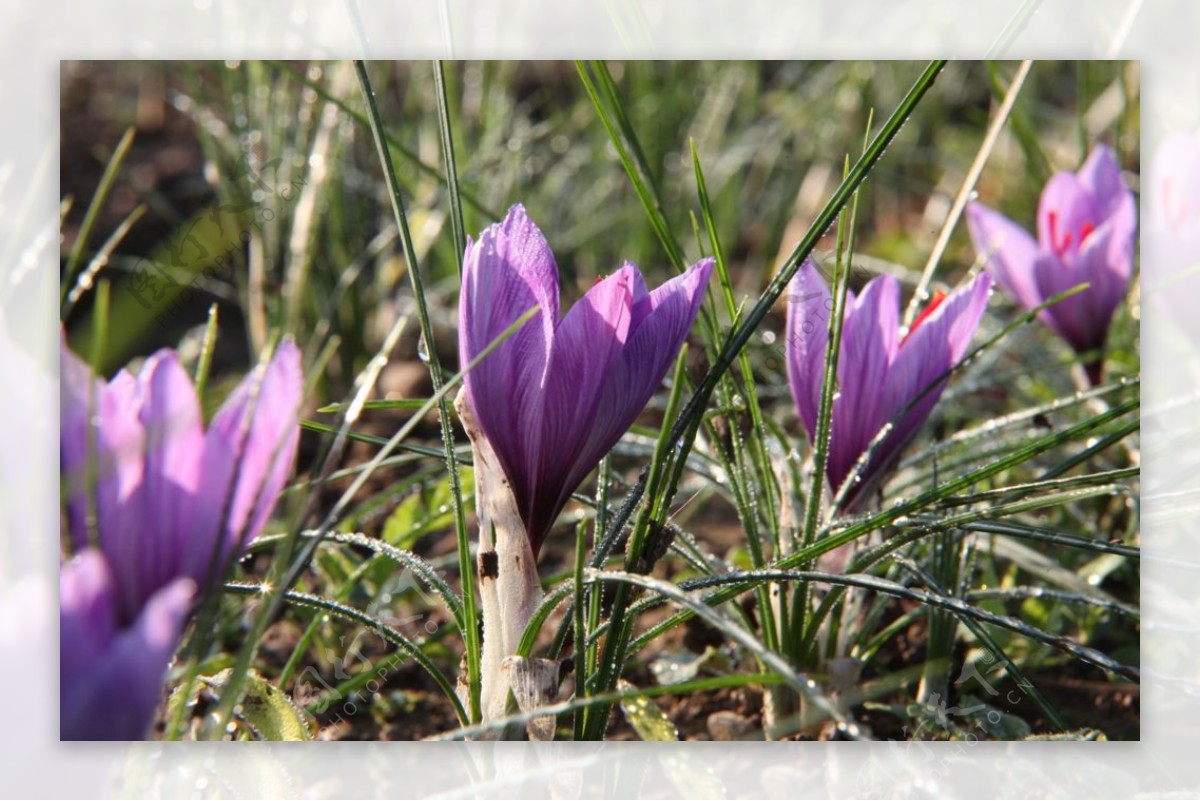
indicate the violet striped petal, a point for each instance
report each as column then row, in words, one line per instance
column 586, row 344
column 1008, row 250
column 248, row 451
column 931, row 349
column 1064, row 209
column 1083, row 318
column 507, row 272
column 1100, row 175
column 111, row 677
column 170, row 416
column 869, row 341
column 663, row 318
column 79, row 398
column 809, row 305
column 119, row 473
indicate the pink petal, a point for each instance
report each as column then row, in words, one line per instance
column 110, row 677
column 79, row 399
column 869, row 341
column 809, row 304
column 170, row 417
column 507, row 272
column 248, row 451
column 1065, row 208
column 1009, row 252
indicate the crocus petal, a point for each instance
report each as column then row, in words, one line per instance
column 170, row 417
column 79, row 398
column 120, row 447
column 1083, row 318
column 110, row 678
column 1008, row 250
column 507, row 272
column 809, row 304
column 869, row 341
column 917, row 374
column 248, row 450
column 1065, row 207
column 665, row 316
column 1101, row 176
column 586, row 344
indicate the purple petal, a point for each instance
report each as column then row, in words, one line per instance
column 110, row 680
column 78, row 398
column 868, row 346
column 88, row 611
column 809, row 304
column 666, row 315
column 938, row 344
column 1083, row 319
column 1065, row 208
column 1101, row 176
column 507, row 272
column 634, row 372
column 248, row 451
column 587, row 343
column 1009, row 252
column 119, row 471
column 170, row 416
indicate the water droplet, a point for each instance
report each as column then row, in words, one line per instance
column 422, row 349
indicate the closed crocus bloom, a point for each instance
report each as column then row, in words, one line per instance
column 554, row 397
column 154, row 503
column 1086, row 223
column 882, row 376
column 541, row 410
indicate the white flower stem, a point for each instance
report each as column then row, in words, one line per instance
column 509, row 587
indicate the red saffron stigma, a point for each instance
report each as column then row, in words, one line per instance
column 1055, row 245
column 934, row 302
column 1085, row 232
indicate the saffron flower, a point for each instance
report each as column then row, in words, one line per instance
column 554, row 397
column 156, row 508
column 882, row 375
column 1086, row 223
column 1171, row 246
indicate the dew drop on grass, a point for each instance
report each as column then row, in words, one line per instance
column 422, row 350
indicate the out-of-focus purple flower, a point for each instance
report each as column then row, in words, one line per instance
column 879, row 372
column 555, row 396
column 1171, row 248
column 111, row 670
column 154, row 504
column 1086, row 223
column 1173, row 200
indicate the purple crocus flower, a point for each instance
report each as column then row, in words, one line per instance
column 555, row 396
column 1086, row 223
column 879, row 372
column 111, row 670
column 159, row 504
column 1171, row 241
